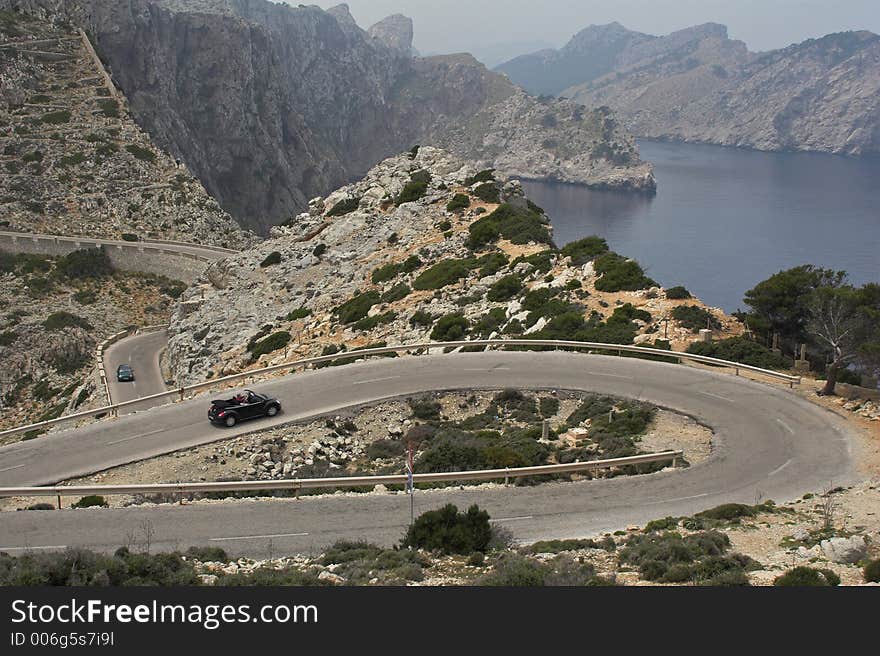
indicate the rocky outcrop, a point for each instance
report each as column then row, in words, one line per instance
column 270, row 104
column 359, row 268
column 699, row 85
column 395, row 31
column 516, row 134
column 72, row 160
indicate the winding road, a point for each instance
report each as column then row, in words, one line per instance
column 142, row 352
column 769, row 443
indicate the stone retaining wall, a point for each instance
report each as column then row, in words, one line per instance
column 135, row 256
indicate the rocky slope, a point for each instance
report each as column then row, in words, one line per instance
column 72, row 160
column 421, row 248
column 53, row 314
column 699, row 85
column 270, row 104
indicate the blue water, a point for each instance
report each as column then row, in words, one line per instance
column 724, row 219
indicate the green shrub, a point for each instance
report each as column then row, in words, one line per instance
column 79, row 567
column 368, row 323
column 458, row 202
column 490, row 322
column 486, row 175
column 665, row 524
column 421, row 318
column 385, row 449
column 270, row 344
column 391, row 271
column 476, row 559
column 557, row 546
column 627, row 312
column 620, row 274
column 8, row 337
column 103, row 152
column 457, row 449
column 272, row 258
column 422, row 175
column 488, row 192
column 872, row 571
column 449, row 531
column 727, row 512
column 505, row 289
column 319, row 250
column 268, row 577
column 208, row 554
column 143, row 154
column 128, row 236
column 345, row 206
column 513, row 570
column 63, row 319
column 519, row 226
column 695, row 318
column 85, row 263
column 41, row 506
column 669, row 557
column 301, row 313
column 805, row 576
column 445, row 272
column 549, row 406
column 831, row 576
column 740, row 349
column 584, row 250
column 412, row 191
column 425, row 409
column 43, row 391
column 396, row 293
column 91, row 501
column 492, row 263
column 677, row 293
column 56, row 118
column 109, row 107
column 358, row 307
column 450, row 328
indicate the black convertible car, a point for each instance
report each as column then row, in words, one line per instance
column 246, row 405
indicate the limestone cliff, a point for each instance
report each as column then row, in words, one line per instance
column 699, row 85
column 270, row 104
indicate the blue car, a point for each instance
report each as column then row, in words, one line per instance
column 124, row 373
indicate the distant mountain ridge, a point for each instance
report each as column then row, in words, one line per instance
column 699, row 85
column 270, row 105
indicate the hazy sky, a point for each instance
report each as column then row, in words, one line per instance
column 480, row 25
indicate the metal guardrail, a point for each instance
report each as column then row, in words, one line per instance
column 385, row 350
column 206, row 247
column 348, row 481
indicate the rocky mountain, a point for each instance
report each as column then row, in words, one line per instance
column 270, row 104
column 72, row 159
column 699, row 85
column 590, row 54
column 425, row 247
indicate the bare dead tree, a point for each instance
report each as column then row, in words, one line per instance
column 841, row 323
column 148, row 531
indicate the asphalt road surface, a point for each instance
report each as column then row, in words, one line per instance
column 142, row 353
column 769, row 444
